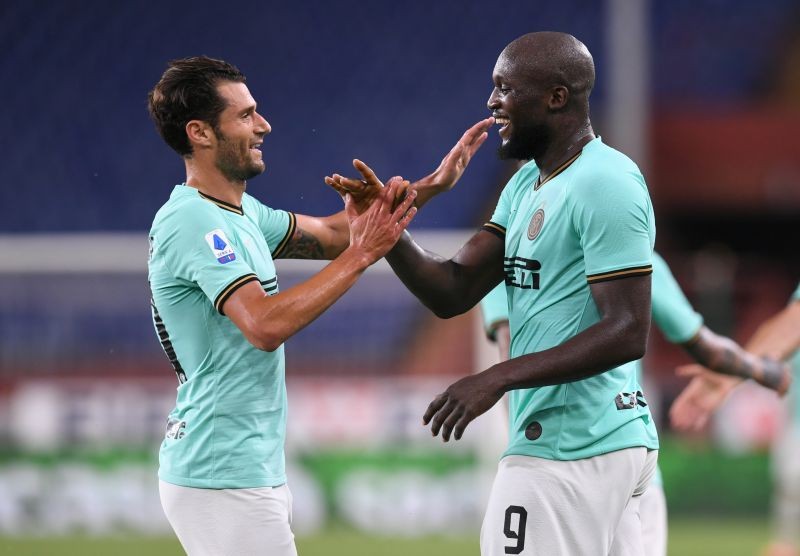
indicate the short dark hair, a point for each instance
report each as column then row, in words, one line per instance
column 188, row 91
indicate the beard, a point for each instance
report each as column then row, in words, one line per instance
column 525, row 143
column 234, row 164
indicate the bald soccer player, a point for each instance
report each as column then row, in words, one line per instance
column 681, row 324
column 572, row 238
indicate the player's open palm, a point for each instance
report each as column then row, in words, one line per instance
column 456, row 161
column 376, row 229
column 706, row 391
column 464, row 400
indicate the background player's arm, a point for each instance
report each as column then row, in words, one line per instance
column 723, row 355
column 267, row 321
column 777, row 337
column 618, row 337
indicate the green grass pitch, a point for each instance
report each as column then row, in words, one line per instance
column 688, row 537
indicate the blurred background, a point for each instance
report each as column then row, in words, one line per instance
column 703, row 94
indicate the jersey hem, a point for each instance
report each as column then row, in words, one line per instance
column 580, row 454
column 256, row 482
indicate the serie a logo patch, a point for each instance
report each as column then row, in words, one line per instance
column 220, row 246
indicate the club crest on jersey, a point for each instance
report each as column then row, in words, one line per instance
column 220, row 246
column 537, row 221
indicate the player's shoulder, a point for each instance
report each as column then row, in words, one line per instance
column 184, row 208
column 602, row 171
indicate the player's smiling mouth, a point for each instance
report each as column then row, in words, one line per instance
column 504, row 124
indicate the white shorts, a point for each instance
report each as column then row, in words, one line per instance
column 786, row 494
column 653, row 512
column 586, row 507
column 230, row 522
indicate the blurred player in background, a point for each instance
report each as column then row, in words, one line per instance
column 779, row 338
column 221, row 317
column 681, row 324
column 572, row 235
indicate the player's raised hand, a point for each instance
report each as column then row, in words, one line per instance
column 377, row 228
column 451, row 411
column 706, row 391
column 456, row 161
column 365, row 190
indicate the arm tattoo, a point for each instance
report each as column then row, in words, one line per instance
column 303, row 245
column 725, row 356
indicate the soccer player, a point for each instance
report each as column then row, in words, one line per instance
column 221, row 316
column 681, row 324
column 572, row 235
column 779, row 338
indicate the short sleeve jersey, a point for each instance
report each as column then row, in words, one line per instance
column 672, row 312
column 494, row 309
column 590, row 221
column 228, row 426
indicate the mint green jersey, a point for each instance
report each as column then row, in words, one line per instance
column 229, row 423
column 494, row 309
column 591, row 221
column 672, row 312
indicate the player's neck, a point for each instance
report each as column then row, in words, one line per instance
column 213, row 183
column 563, row 148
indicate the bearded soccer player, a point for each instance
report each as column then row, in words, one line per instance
column 681, row 324
column 219, row 312
column 572, row 236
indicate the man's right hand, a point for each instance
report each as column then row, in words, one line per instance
column 375, row 229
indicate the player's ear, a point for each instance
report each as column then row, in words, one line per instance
column 558, row 97
column 200, row 133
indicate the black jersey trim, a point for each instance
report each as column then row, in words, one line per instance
column 166, row 343
column 619, row 274
column 222, row 204
column 286, row 238
column 232, row 287
column 557, row 171
column 495, row 229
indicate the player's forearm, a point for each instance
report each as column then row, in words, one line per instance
column 431, row 278
column 605, row 345
column 723, row 355
column 779, row 336
column 283, row 315
column 338, row 238
column 427, row 188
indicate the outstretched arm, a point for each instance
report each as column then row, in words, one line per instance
column 618, row 337
column 777, row 337
column 723, row 355
column 268, row 320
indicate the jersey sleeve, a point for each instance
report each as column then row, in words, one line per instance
column 494, row 308
column 672, row 312
column 613, row 218
column 278, row 227
column 196, row 248
column 796, row 294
